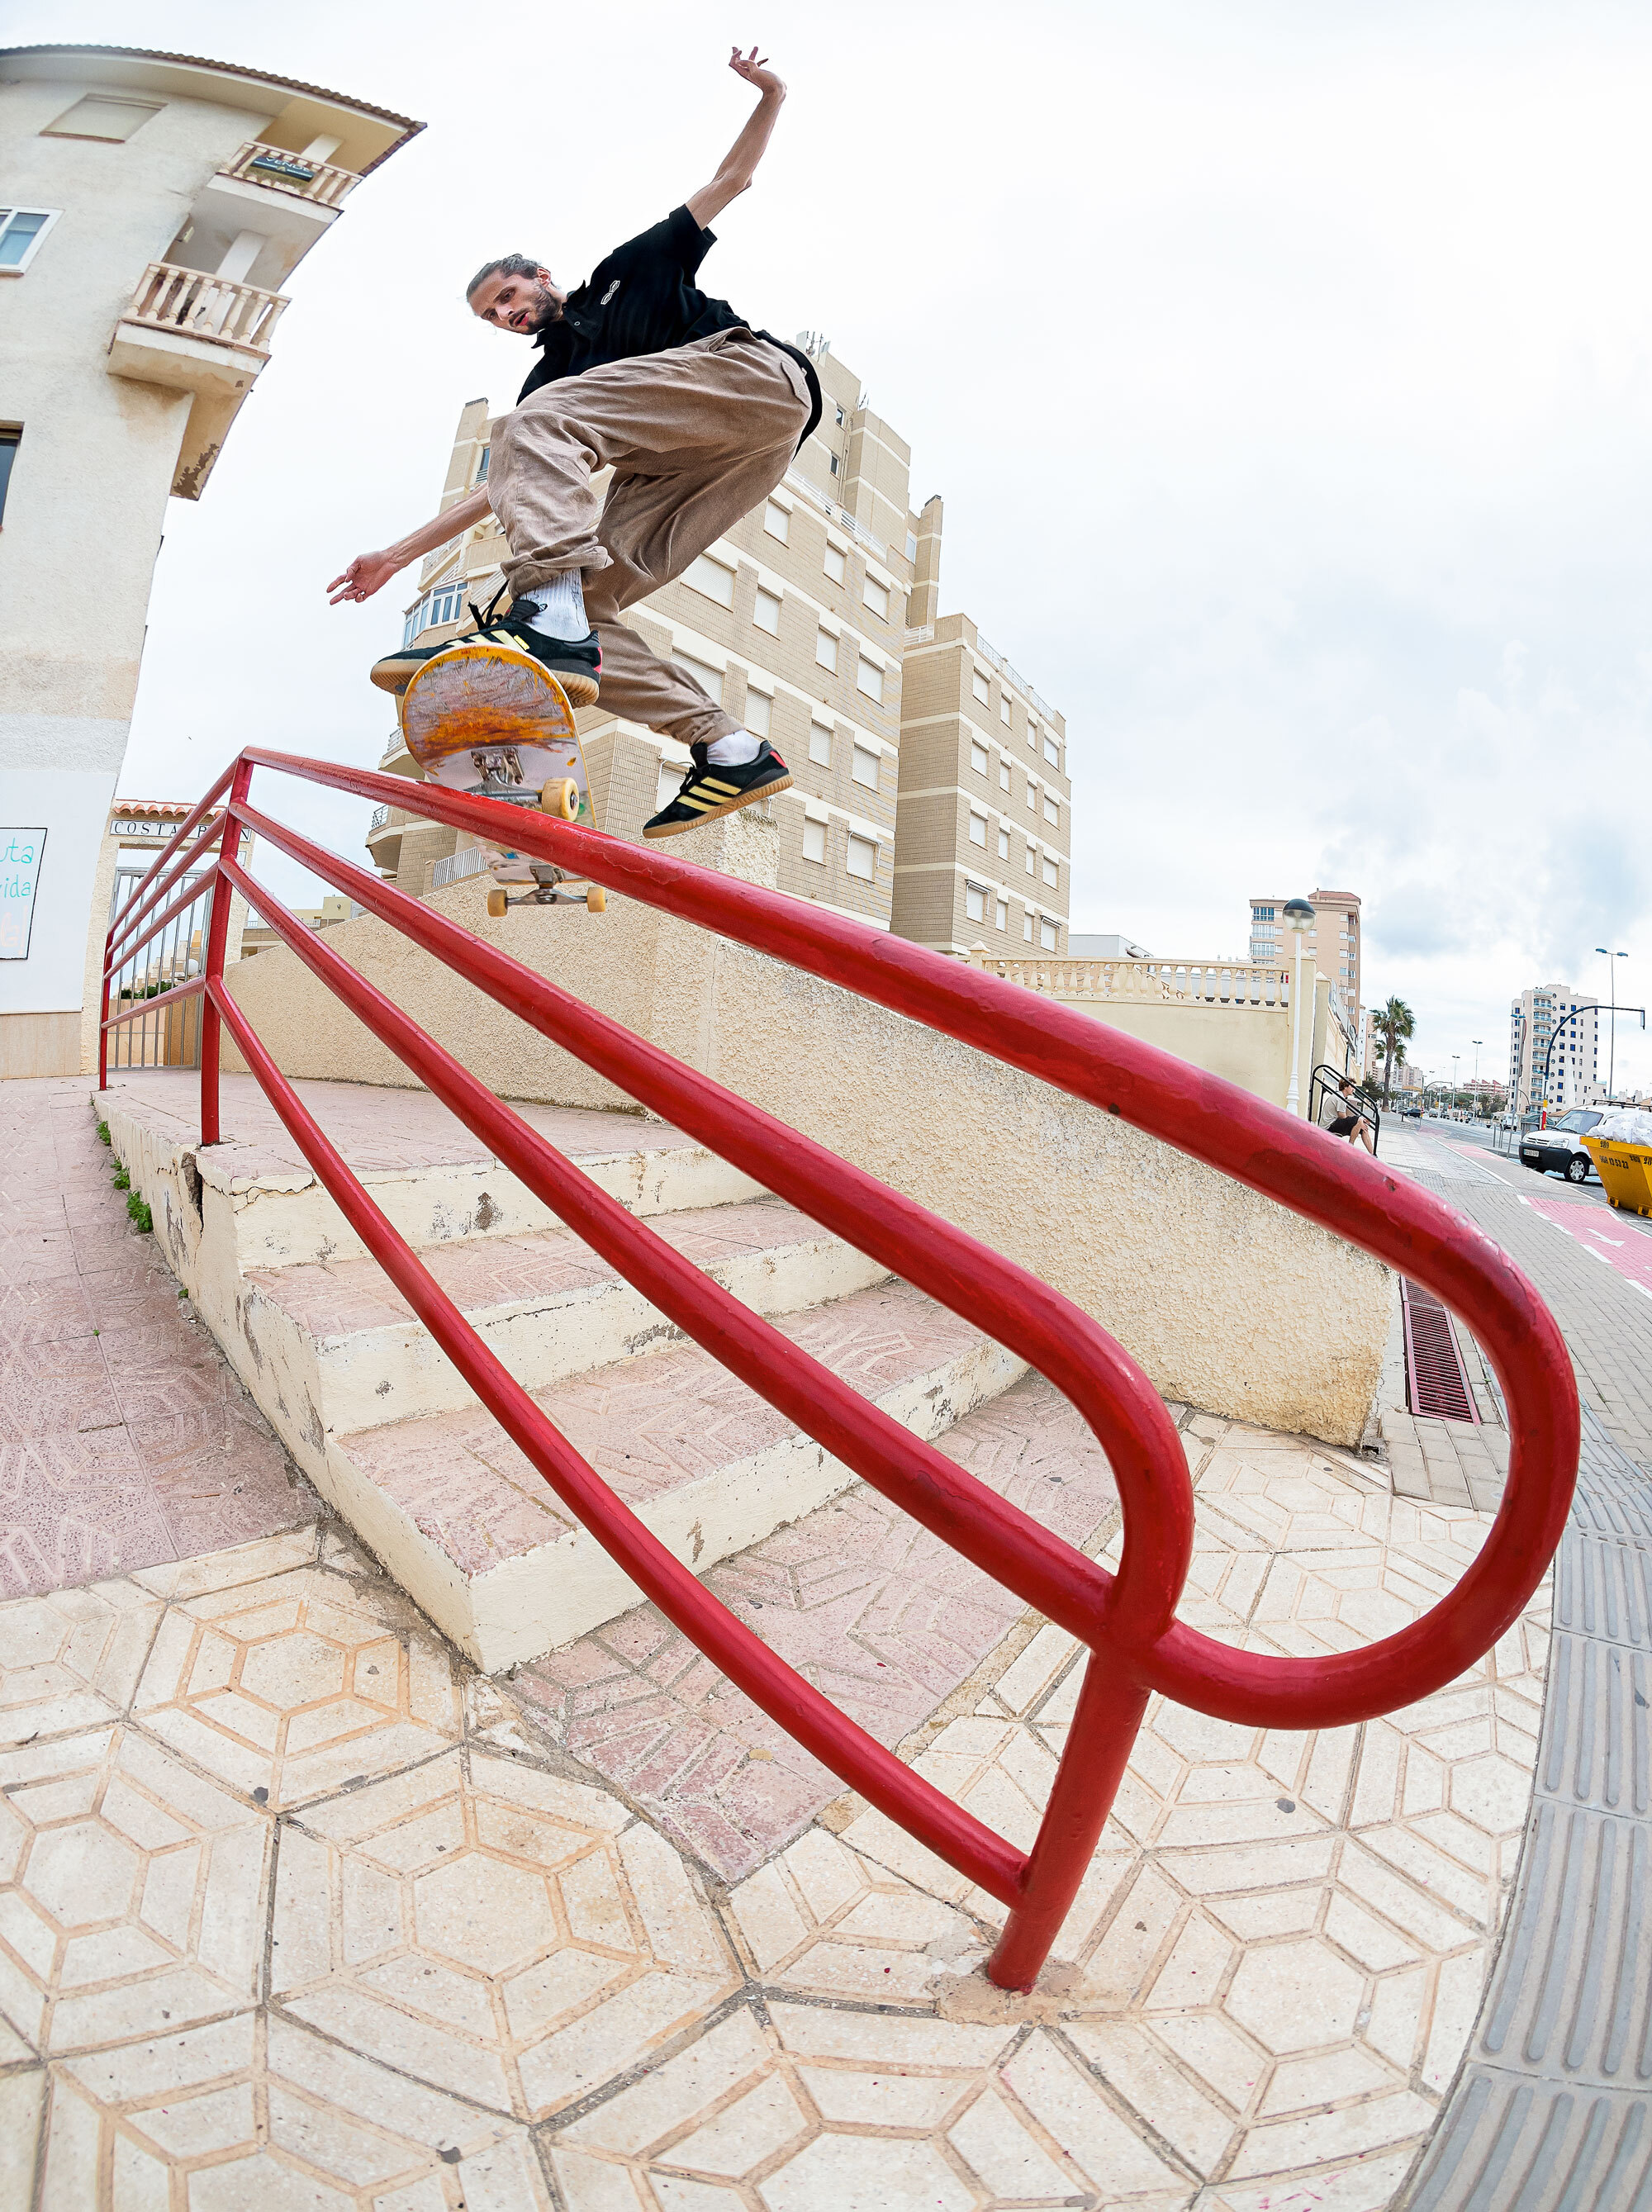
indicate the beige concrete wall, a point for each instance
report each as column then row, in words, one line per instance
column 1205, row 1283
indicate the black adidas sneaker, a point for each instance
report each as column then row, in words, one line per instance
column 708, row 792
column 576, row 663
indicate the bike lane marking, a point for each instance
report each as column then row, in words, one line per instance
column 1629, row 1252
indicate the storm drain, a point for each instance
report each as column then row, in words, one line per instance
column 1436, row 1382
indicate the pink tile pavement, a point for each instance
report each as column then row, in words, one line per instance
column 871, row 1608
column 125, row 1438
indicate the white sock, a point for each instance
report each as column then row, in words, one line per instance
column 738, row 750
column 557, row 609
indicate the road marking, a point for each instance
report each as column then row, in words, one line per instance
column 1628, row 1256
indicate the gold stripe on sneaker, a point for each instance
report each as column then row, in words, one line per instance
column 693, row 799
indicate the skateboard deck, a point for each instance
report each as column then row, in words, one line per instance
column 490, row 720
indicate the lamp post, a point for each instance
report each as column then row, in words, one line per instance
column 1611, row 1049
column 1456, row 1059
column 1477, row 1042
column 1299, row 918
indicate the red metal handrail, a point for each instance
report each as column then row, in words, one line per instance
column 1127, row 1620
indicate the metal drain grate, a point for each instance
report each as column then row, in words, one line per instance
column 1436, row 1382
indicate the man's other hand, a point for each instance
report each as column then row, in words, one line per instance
column 366, row 574
column 756, row 70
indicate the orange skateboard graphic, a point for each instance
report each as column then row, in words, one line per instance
column 490, row 720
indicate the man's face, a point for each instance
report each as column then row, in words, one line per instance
column 515, row 303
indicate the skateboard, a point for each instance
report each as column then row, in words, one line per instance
column 490, row 720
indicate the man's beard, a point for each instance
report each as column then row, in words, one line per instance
column 548, row 310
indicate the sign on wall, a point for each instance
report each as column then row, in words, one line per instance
column 19, row 874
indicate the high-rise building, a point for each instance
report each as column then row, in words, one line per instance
column 159, row 202
column 1332, row 942
column 811, row 621
column 1553, row 1047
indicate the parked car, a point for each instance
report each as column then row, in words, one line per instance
column 1560, row 1145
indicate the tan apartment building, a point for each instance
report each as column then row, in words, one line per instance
column 1332, row 943
column 1552, row 1026
column 801, row 621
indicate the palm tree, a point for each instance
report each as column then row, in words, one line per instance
column 1395, row 1025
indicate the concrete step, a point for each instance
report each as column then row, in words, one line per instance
column 466, row 1525
column 344, row 1349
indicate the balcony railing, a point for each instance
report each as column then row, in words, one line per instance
column 1189, row 983
column 380, row 816
column 278, row 171
column 197, row 306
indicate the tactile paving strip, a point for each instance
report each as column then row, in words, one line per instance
column 1553, row 2109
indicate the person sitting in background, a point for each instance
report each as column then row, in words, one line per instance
column 1350, row 1122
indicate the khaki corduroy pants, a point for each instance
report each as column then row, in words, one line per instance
column 695, row 436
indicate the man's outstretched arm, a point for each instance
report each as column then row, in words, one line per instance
column 370, row 572
column 738, row 165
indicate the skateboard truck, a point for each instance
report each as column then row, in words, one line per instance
column 546, row 892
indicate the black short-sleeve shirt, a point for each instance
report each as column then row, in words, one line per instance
column 642, row 298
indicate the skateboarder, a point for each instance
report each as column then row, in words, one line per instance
column 699, row 414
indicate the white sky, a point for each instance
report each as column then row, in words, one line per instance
column 1285, row 369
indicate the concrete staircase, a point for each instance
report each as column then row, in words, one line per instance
column 383, row 1425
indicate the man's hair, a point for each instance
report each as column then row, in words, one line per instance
column 514, row 265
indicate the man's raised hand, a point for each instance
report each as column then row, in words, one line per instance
column 756, row 70
column 366, row 574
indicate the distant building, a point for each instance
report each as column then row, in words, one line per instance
column 158, row 203
column 1551, row 1027
column 1332, row 943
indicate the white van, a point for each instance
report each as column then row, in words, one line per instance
column 1560, row 1145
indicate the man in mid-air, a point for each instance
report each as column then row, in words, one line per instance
column 697, row 412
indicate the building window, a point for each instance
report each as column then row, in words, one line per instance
column 481, row 465
column 974, row 903
column 444, row 604
column 869, row 678
column 1052, row 871
column 98, row 117
column 1032, row 860
column 766, row 611
column 983, row 690
column 777, row 522
column 1261, row 913
column 1032, row 796
column 669, row 784
column 1002, row 844
column 11, row 436
column 710, row 680
column 820, row 745
column 712, row 578
column 876, row 597
column 1052, row 750
column 21, row 230
column 862, row 857
column 1026, row 926
column 835, row 464
column 911, row 546
column 826, row 650
column 1002, row 773
column 1004, row 712
column 978, row 830
column 1004, row 914
column 1048, row 934
column 863, row 767
column 836, row 564
column 977, row 757
column 814, row 841
column 1052, row 810
column 759, row 712
column 839, row 412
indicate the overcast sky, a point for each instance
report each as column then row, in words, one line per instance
column 1284, row 370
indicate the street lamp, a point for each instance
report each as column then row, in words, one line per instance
column 1477, row 1042
column 1299, row 918
column 1611, row 1049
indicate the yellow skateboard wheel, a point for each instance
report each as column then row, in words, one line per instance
column 561, row 798
column 595, row 900
column 498, row 905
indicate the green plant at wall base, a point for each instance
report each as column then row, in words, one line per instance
column 123, row 1180
column 141, row 1214
column 104, row 1137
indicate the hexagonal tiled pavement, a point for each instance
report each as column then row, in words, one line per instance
column 293, row 1913
column 498, row 1932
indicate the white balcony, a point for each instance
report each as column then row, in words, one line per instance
column 273, row 169
column 190, row 331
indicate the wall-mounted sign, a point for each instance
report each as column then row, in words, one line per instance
column 21, row 851
column 119, row 829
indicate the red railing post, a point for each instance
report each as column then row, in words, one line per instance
column 103, row 1016
column 229, row 845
